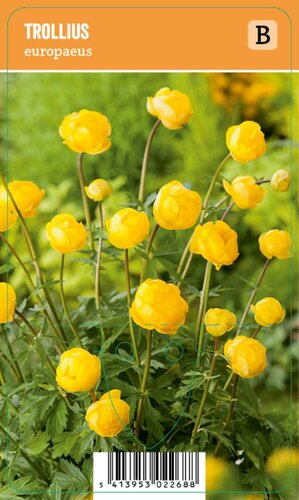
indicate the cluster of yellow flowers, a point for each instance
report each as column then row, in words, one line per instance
column 249, row 90
column 157, row 305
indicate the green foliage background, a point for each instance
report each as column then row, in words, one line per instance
column 37, row 104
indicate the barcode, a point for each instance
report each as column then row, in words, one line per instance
column 153, row 466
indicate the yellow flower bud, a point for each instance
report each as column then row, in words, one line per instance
column 78, row 370
column 7, row 215
column 27, row 196
column 98, row 190
column 268, row 311
column 275, row 243
column 127, row 228
column 216, row 242
column 108, row 416
column 282, row 460
column 246, row 141
column 176, row 207
column 86, row 132
column 246, row 356
column 65, row 234
column 280, row 180
column 7, row 302
column 159, row 306
column 219, row 321
column 216, row 471
column 172, row 107
column 245, row 192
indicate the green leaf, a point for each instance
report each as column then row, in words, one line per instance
column 64, row 444
column 37, row 443
column 57, row 419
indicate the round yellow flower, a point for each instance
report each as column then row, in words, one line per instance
column 7, row 302
column 275, row 243
column 108, row 416
column 127, row 228
column 246, row 141
column 86, row 132
column 216, row 242
column 280, row 180
column 7, row 215
column 98, row 190
column 27, row 196
column 172, row 107
column 78, row 370
column 281, row 460
column 65, row 234
column 247, row 357
column 244, row 191
column 216, row 471
column 176, row 207
column 268, row 311
column 159, row 306
column 219, row 321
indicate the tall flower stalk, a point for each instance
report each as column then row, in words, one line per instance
column 85, row 200
column 99, row 255
column 145, row 161
column 144, row 381
column 129, row 300
column 64, row 303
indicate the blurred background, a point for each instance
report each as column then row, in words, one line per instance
column 37, row 105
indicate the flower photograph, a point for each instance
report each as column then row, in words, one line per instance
column 148, row 278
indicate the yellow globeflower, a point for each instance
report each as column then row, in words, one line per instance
column 108, row 416
column 216, row 242
column 268, row 311
column 7, row 215
column 244, row 191
column 78, row 370
column 127, row 228
column 219, row 321
column 275, row 243
column 280, row 180
column 65, row 234
column 159, row 306
column 216, row 472
column 176, row 207
column 7, row 302
column 172, row 107
column 246, row 141
column 86, row 132
column 27, row 196
column 247, row 357
column 282, row 460
column 98, row 190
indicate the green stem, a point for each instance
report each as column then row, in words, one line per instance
column 63, row 301
column 144, row 381
column 7, row 360
column 230, row 411
column 13, row 360
column 204, row 209
column 200, row 327
column 227, row 211
column 132, row 331
column 187, row 266
column 256, row 332
column 205, row 393
column 85, row 200
column 25, row 456
column 148, row 249
column 145, row 161
column 93, row 395
column 34, row 290
column 211, row 187
column 35, row 337
column 253, row 294
column 99, row 255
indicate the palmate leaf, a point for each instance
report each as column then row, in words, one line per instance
column 70, row 478
column 152, row 420
column 64, row 444
column 17, row 489
column 256, row 479
column 57, row 418
column 37, row 443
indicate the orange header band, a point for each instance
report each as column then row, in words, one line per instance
column 154, row 37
